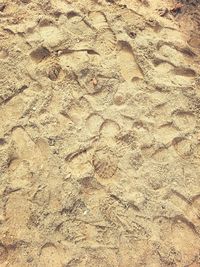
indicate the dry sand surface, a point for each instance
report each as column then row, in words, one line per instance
column 99, row 133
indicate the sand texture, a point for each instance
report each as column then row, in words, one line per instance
column 99, row 133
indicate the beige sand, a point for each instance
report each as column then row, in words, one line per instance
column 99, row 135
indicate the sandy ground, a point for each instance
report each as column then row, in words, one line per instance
column 99, row 133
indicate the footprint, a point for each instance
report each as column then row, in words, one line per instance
column 194, row 40
column 193, row 211
column 148, row 151
column 185, row 240
column 109, row 128
column 40, row 54
column 24, row 145
column 98, row 20
column 78, row 25
column 98, row 259
column 105, row 42
column 41, row 197
column 127, row 62
column 162, row 70
column 94, row 122
column 183, row 147
column 158, row 152
column 184, row 120
column 165, row 133
column 80, row 165
column 25, row 148
column 127, row 138
column 89, row 185
column 49, row 256
column 43, row 147
column 162, row 155
column 186, row 72
column 145, row 254
column 105, row 163
column 91, row 80
column 189, row 207
column 171, row 75
column 51, row 36
column 161, row 111
column 175, row 54
column 79, row 110
column 179, row 200
column 13, row 110
column 17, row 212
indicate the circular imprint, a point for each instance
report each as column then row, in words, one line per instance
column 105, row 163
column 119, row 99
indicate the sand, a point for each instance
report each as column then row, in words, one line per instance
column 99, row 133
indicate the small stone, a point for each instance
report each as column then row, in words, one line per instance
column 94, row 81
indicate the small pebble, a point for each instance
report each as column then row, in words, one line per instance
column 94, row 81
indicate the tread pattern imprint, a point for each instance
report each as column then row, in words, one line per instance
column 99, row 133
